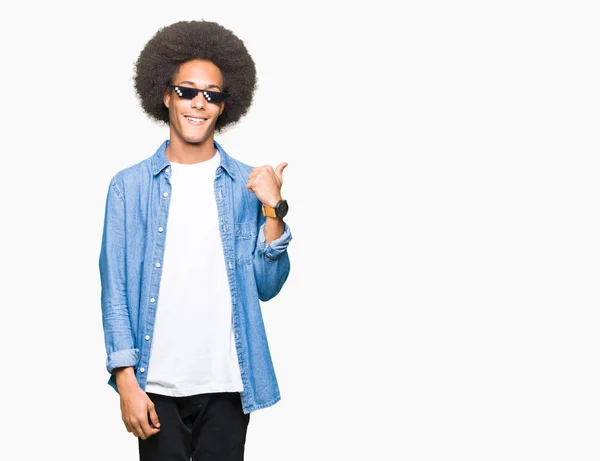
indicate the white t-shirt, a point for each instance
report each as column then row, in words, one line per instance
column 193, row 350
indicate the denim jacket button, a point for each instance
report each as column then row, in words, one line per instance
column 160, row 229
column 147, row 337
column 157, row 264
column 165, row 194
column 152, row 300
column 142, row 370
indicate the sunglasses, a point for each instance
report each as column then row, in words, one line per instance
column 185, row 92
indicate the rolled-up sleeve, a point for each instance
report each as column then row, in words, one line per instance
column 271, row 261
column 118, row 337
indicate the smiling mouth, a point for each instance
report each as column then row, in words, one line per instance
column 195, row 120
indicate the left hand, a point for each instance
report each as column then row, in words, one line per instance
column 266, row 183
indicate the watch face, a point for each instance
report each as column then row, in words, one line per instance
column 282, row 208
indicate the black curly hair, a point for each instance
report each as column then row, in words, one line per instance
column 183, row 41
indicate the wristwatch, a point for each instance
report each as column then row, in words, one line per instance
column 279, row 211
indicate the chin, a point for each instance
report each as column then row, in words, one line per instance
column 194, row 138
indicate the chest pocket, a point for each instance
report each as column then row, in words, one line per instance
column 245, row 241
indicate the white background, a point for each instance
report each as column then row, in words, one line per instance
column 443, row 186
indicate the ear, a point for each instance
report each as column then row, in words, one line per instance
column 222, row 108
column 167, row 98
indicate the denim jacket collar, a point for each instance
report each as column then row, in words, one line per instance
column 160, row 160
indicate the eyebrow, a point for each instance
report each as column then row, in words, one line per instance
column 212, row 85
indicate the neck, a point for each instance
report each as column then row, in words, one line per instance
column 179, row 151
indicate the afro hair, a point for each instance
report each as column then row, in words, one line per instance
column 183, row 41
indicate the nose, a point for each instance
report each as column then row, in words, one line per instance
column 199, row 100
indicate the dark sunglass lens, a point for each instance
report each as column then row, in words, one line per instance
column 190, row 93
column 212, row 96
column 187, row 93
column 216, row 97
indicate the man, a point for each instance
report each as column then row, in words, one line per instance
column 192, row 240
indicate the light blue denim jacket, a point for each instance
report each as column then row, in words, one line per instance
column 131, row 256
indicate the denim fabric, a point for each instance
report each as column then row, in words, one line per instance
column 131, row 256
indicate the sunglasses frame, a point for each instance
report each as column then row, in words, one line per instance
column 186, row 92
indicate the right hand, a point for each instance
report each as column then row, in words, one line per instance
column 138, row 411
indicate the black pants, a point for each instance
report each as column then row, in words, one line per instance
column 203, row 427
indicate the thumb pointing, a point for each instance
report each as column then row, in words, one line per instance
column 279, row 169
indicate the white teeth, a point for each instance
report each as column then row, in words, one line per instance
column 196, row 120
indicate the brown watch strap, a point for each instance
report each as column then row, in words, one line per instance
column 269, row 211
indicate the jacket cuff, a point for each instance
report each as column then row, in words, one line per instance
column 124, row 358
column 274, row 249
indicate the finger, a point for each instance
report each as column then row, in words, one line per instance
column 145, row 427
column 149, row 431
column 153, row 416
column 279, row 169
column 260, row 169
column 254, row 173
column 127, row 426
column 142, row 428
column 137, row 430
